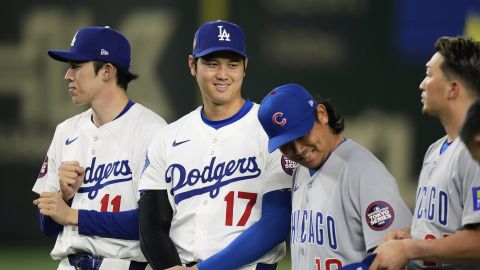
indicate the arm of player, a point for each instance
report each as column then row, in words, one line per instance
column 55, row 213
column 155, row 217
column 261, row 237
column 462, row 246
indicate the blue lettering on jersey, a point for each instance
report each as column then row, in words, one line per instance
column 476, row 198
column 98, row 174
column 311, row 227
column 432, row 204
column 220, row 174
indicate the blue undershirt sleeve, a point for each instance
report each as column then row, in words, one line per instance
column 121, row 225
column 270, row 230
column 48, row 226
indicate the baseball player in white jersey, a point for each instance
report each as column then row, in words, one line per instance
column 210, row 176
column 88, row 184
column 343, row 197
column 447, row 211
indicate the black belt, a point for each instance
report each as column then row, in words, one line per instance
column 85, row 261
column 260, row 266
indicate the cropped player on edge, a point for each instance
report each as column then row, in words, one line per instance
column 447, row 210
column 210, row 176
column 343, row 199
column 88, row 182
column 470, row 133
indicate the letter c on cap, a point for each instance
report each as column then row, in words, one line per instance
column 277, row 121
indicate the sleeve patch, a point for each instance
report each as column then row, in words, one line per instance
column 44, row 169
column 379, row 215
column 288, row 166
column 476, row 198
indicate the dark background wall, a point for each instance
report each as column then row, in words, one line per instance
column 368, row 56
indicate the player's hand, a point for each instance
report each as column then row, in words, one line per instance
column 392, row 255
column 397, row 234
column 70, row 175
column 52, row 204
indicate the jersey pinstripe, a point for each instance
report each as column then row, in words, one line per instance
column 215, row 180
column 113, row 157
column 448, row 196
column 343, row 209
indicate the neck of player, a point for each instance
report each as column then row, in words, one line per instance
column 109, row 103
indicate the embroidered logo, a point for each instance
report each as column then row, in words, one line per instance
column 379, row 215
column 223, row 35
column 74, row 39
column 67, row 142
column 288, row 166
column 44, row 169
column 104, row 52
column 101, row 176
column 277, row 120
column 210, row 178
column 476, row 198
column 175, row 143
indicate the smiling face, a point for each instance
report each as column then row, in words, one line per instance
column 84, row 85
column 313, row 148
column 220, row 77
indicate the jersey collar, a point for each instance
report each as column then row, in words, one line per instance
column 247, row 106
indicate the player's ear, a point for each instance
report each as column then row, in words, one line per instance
column 108, row 71
column 322, row 114
column 476, row 139
column 192, row 65
column 453, row 91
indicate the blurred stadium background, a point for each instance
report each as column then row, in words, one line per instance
column 368, row 56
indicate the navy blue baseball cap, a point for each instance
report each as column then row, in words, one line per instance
column 286, row 114
column 218, row 36
column 96, row 43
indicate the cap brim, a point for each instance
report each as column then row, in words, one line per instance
column 294, row 133
column 218, row 49
column 65, row 56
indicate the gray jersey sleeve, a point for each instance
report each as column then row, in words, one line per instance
column 376, row 198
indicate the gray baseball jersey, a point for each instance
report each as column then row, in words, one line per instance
column 112, row 156
column 216, row 179
column 448, row 196
column 343, row 209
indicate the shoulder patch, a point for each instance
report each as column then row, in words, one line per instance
column 288, row 166
column 379, row 215
column 44, row 169
column 476, row 198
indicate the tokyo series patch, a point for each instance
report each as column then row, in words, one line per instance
column 379, row 215
column 288, row 166
column 44, row 169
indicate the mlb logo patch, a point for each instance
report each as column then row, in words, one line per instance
column 476, row 198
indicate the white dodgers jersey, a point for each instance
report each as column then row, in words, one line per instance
column 343, row 209
column 448, row 197
column 113, row 157
column 215, row 179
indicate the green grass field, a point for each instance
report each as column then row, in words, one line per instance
column 38, row 258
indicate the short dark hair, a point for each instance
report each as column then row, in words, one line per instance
column 222, row 54
column 461, row 60
column 471, row 125
column 335, row 118
column 124, row 77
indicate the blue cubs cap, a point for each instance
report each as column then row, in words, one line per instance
column 218, row 36
column 96, row 43
column 286, row 114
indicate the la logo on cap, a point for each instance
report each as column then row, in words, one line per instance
column 223, row 34
column 74, row 39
